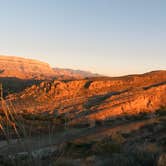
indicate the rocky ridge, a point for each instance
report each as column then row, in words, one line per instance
column 96, row 98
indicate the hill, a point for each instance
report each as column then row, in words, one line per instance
column 22, row 68
column 18, row 73
column 95, row 98
column 96, row 121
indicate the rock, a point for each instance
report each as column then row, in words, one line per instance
column 91, row 158
column 162, row 160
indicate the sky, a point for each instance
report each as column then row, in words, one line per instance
column 110, row 37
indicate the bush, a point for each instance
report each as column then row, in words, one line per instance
column 130, row 159
column 78, row 149
column 106, row 147
column 161, row 111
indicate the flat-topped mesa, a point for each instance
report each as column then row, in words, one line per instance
column 24, row 68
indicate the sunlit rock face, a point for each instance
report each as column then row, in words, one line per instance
column 95, row 98
column 132, row 102
column 23, row 68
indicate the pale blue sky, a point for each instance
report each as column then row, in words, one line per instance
column 111, row 37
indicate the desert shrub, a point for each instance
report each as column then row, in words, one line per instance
column 106, row 147
column 40, row 117
column 99, row 123
column 161, row 160
column 79, row 145
column 109, row 145
column 63, row 162
column 126, row 135
column 163, row 142
column 141, row 116
column 151, row 148
column 161, row 111
column 119, row 159
column 149, row 127
column 144, row 158
column 58, row 121
column 137, row 117
column 130, row 159
column 17, row 161
column 118, row 138
column 80, row 125
column 78, row 149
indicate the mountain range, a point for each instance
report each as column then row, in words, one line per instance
column 22, row 68
column 64, row 115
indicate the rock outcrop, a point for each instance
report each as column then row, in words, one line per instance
column 96, row 98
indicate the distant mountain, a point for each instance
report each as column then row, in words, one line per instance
column 74, row 73
column 23, row 68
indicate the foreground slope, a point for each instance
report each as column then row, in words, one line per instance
column 97, row 121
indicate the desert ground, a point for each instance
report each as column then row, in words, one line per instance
column 52, row 116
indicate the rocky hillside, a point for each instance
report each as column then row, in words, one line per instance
column 95, row 99
column 120, row 121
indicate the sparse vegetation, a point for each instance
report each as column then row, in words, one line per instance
column 81, row 127
column 161, row 111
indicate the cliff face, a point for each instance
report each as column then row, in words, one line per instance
column 96, row 98
column 24, row 68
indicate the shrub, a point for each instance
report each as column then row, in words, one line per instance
column 106, row 147
column 161, row 111
column 78, row 149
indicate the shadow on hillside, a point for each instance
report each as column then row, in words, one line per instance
column 154, row 85
column 15, row 85
column 95, row 100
